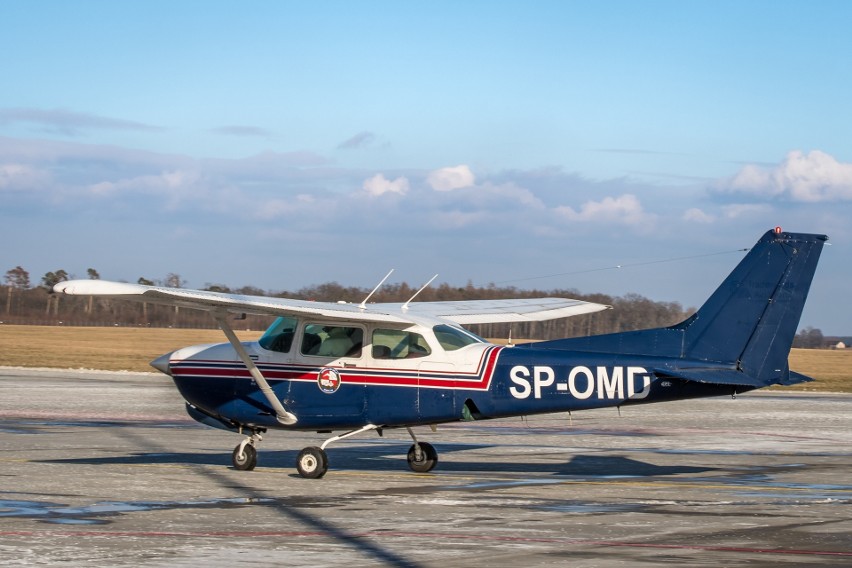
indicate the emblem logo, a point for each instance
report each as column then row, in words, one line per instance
column 328, row 380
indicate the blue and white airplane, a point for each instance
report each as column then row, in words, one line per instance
column 354, row 368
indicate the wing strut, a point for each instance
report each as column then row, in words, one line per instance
column 281, row 413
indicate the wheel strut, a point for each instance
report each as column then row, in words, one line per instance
column 312, row 462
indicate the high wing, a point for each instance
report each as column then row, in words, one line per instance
column 458, row 312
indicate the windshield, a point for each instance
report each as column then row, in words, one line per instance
column 279, row 336
column 452, row 338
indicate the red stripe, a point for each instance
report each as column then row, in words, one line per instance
column 482, row 376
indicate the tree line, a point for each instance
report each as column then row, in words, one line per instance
column 28, row 304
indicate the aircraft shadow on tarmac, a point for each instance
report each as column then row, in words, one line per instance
column 391, row 458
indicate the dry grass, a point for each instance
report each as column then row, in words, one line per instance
column 130, row 349
column 106, row 348
column 832, row 369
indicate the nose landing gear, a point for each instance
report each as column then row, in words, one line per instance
column 244, row 456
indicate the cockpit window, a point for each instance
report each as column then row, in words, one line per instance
column 397, row 344
column 332, row 340
column 279, row 336
column 452, row 338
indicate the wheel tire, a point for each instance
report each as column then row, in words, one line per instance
column 247, row 461
column 312, row 463
column 428, row 458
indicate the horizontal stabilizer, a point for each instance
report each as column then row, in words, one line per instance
column 732, row 377
column 796, row 378
column 712, row 376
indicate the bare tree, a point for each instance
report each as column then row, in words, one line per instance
column 174, row 281
column 93, row 275
column 16, row 278
column 49, row 280
column 809, row 338
column 145, row 282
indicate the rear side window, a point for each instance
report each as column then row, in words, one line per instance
column 396, row 344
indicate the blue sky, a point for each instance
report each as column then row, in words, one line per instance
column 282, row 144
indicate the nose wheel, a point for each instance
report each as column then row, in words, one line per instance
column 244, row 460
column 244, row 456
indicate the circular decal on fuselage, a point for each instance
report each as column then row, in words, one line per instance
column 328, row 380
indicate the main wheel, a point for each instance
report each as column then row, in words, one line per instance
column 428, row 458
column 247, row 461
column 312, row 463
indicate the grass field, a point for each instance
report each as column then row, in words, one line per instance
column 130, row 349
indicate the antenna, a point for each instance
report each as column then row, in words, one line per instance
column 405, row 305
column 363, row 305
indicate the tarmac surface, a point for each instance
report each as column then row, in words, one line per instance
column 105, row 469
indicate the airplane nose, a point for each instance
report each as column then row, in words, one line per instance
column 161, row 363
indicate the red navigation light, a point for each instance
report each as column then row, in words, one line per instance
column 777, row 230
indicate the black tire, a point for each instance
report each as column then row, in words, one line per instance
column 312, row 463
column 247, row 461
column 428, row 458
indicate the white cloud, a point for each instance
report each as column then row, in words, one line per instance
column 379, row 185
column 812, row 177
column 167, row 182
column 696, row 215
column 448, row 179
column 625, row 209
column 19, row 176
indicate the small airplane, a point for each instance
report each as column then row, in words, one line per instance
column 356, row 368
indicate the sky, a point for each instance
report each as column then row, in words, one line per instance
column 531, row 144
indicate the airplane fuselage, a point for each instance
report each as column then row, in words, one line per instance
column 482, row 381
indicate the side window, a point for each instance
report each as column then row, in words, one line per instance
column 279, row 336
column 332, row 341
column 396, row 344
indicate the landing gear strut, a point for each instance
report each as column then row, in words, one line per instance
column 312, row 462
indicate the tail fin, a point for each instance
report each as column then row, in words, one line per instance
column 747, row 324
column 752, row 317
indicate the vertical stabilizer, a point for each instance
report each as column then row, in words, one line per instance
column 748, row 323
column 751, row 319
